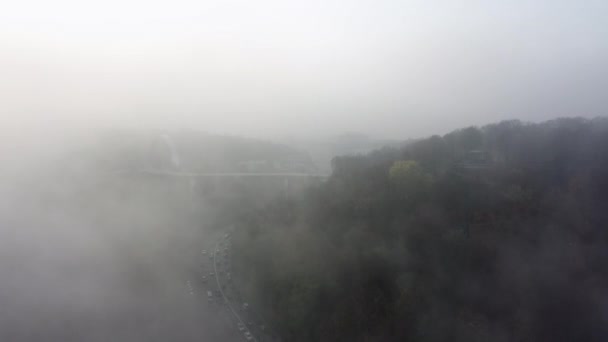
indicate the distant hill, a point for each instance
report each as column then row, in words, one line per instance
column 197, row 151
column 208, row 152
column 322, row 151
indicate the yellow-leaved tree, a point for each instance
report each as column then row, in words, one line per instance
column 411, row 180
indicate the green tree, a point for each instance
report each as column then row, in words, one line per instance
column 411, row 180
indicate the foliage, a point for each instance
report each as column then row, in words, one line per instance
column 494, row 233
column 409, row 177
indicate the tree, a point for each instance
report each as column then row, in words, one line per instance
column 410, row 179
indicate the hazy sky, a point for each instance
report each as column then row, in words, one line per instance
column 277, row 67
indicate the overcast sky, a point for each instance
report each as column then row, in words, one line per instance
column 317, row 67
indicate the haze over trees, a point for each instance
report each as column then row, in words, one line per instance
column 495, row 233
column 278, row 171
column 485, row 233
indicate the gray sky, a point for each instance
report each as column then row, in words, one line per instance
column 275, row 67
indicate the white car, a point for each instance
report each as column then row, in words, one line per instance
column 240, row 326
column 248, row 336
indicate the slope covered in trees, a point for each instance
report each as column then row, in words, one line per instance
column 496, row 233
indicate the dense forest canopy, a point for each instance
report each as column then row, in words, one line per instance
column 495, row 233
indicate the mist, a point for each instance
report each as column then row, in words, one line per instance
column 274, row 69
column 88, row 257
column 289, row 171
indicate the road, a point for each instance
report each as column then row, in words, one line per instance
column 215, row 320
column 224, row 298
column 231, row 295
column 216, row 316
column 225, row 307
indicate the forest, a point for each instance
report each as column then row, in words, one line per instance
column 493, row 233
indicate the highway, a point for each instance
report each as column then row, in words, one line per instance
column 216, row 316
column 226, row 316
column 224, row 298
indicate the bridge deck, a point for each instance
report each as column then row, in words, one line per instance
column 223, row 174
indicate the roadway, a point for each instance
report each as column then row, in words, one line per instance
column 224, row 299
column 225, row 315
column 219, row 317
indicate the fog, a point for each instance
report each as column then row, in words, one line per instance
column 135, row 134
column 273, row 69
column 86, row 257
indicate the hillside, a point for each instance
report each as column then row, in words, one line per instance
column 197, row 152
column 495, row 233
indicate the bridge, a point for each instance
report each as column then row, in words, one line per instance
column 169, row 164
column 185, row 174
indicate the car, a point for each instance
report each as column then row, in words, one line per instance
column 248, row 336
column 245, row 306
column 211, row 274
column 240, row 326
column 204, row 252
column 204, row 278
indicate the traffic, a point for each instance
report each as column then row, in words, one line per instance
column 217, row 281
